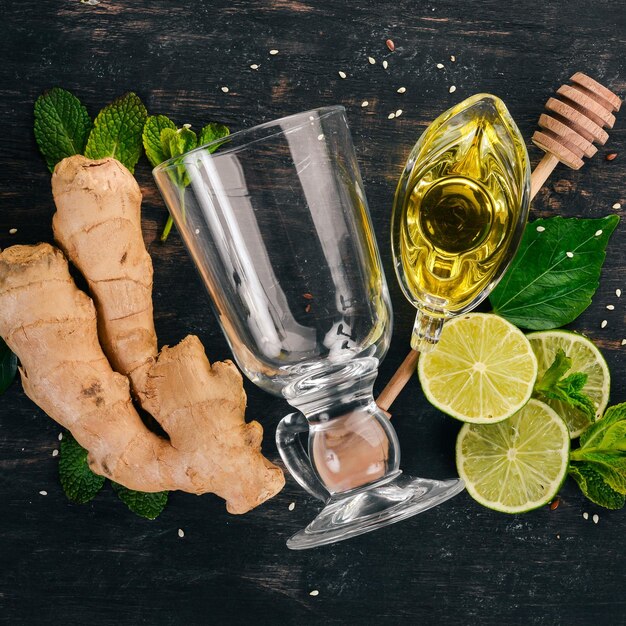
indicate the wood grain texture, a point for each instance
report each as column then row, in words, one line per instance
column 456, row 564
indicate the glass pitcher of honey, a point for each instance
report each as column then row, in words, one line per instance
column 459, row 212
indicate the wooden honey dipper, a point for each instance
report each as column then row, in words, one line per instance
column 572, row 124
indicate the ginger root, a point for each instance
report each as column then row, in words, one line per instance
column 98, row 226
column 51, row 326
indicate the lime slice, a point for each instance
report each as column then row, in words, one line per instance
column 586, row 358
column 482, row 370
column 517, row 465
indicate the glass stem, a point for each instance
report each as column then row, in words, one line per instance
column 426, row 331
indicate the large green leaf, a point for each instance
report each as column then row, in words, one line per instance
column 555, row 273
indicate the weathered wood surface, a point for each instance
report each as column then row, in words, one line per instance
column 460, row 563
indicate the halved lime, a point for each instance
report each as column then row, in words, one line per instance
column 585, row 358
column 517, row 465
column 482, row 370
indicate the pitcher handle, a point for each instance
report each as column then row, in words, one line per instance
column 294, row 456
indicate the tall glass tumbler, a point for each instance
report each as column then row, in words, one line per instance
column 277, row 224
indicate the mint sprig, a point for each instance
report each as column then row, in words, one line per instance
column 555, row 272
column 163, row 140
column 79, row 483
column 554, row 385
column 148, row 505
column 599, row 464
column 117, row 131
column 155, row 151
column 8, row 366
column 62, row 125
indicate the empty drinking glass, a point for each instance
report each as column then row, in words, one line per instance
column 277, row 224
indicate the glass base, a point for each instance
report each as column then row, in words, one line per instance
column 372, row 508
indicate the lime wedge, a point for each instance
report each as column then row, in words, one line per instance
column 482, row 370
column 586, row 358
column 517, row 465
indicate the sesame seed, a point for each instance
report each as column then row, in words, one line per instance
column 452, row 89
column 60, row 436
column 570, row 255
column 371, row 60
column 273, row 52
column 610, row 307
column 596, row 518
column 452, row 58
column 618, row 293
column 315, row 592
column 598, row 233
column 43, row 493
column 181, row 533
column 540, row 229
column 385, row 64
column 197, row 231
column 320, row 137
column 398, row 112
column 586, row 515
column 439, row 66
column 402, row 90
column 55, row 453
column 12, row 231
column 391, row 116
column 225, row 89
column 364, row 103
column 604, row 323
column 254, row 66
column 342, row 74
column 292, row 506
column 617, row 205
column 389, row 43
column 311, row 118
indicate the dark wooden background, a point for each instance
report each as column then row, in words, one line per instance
column 460, row 563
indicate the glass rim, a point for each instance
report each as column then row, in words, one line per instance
column 322, row 112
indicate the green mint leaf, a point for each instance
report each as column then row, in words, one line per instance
column 571, row 387
column 148, row 505
column 178, row 142
column 117, row 131
column 78, row 481
column 62, row 125
column 210, row 133
column 174, row 144
column 555, row 372
column 8, row 366
column 594, row 487
column 555, row 272
column 152, row 138
column 612, row 467
column 599, row 464
column 569, row 390
column 608, row 433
